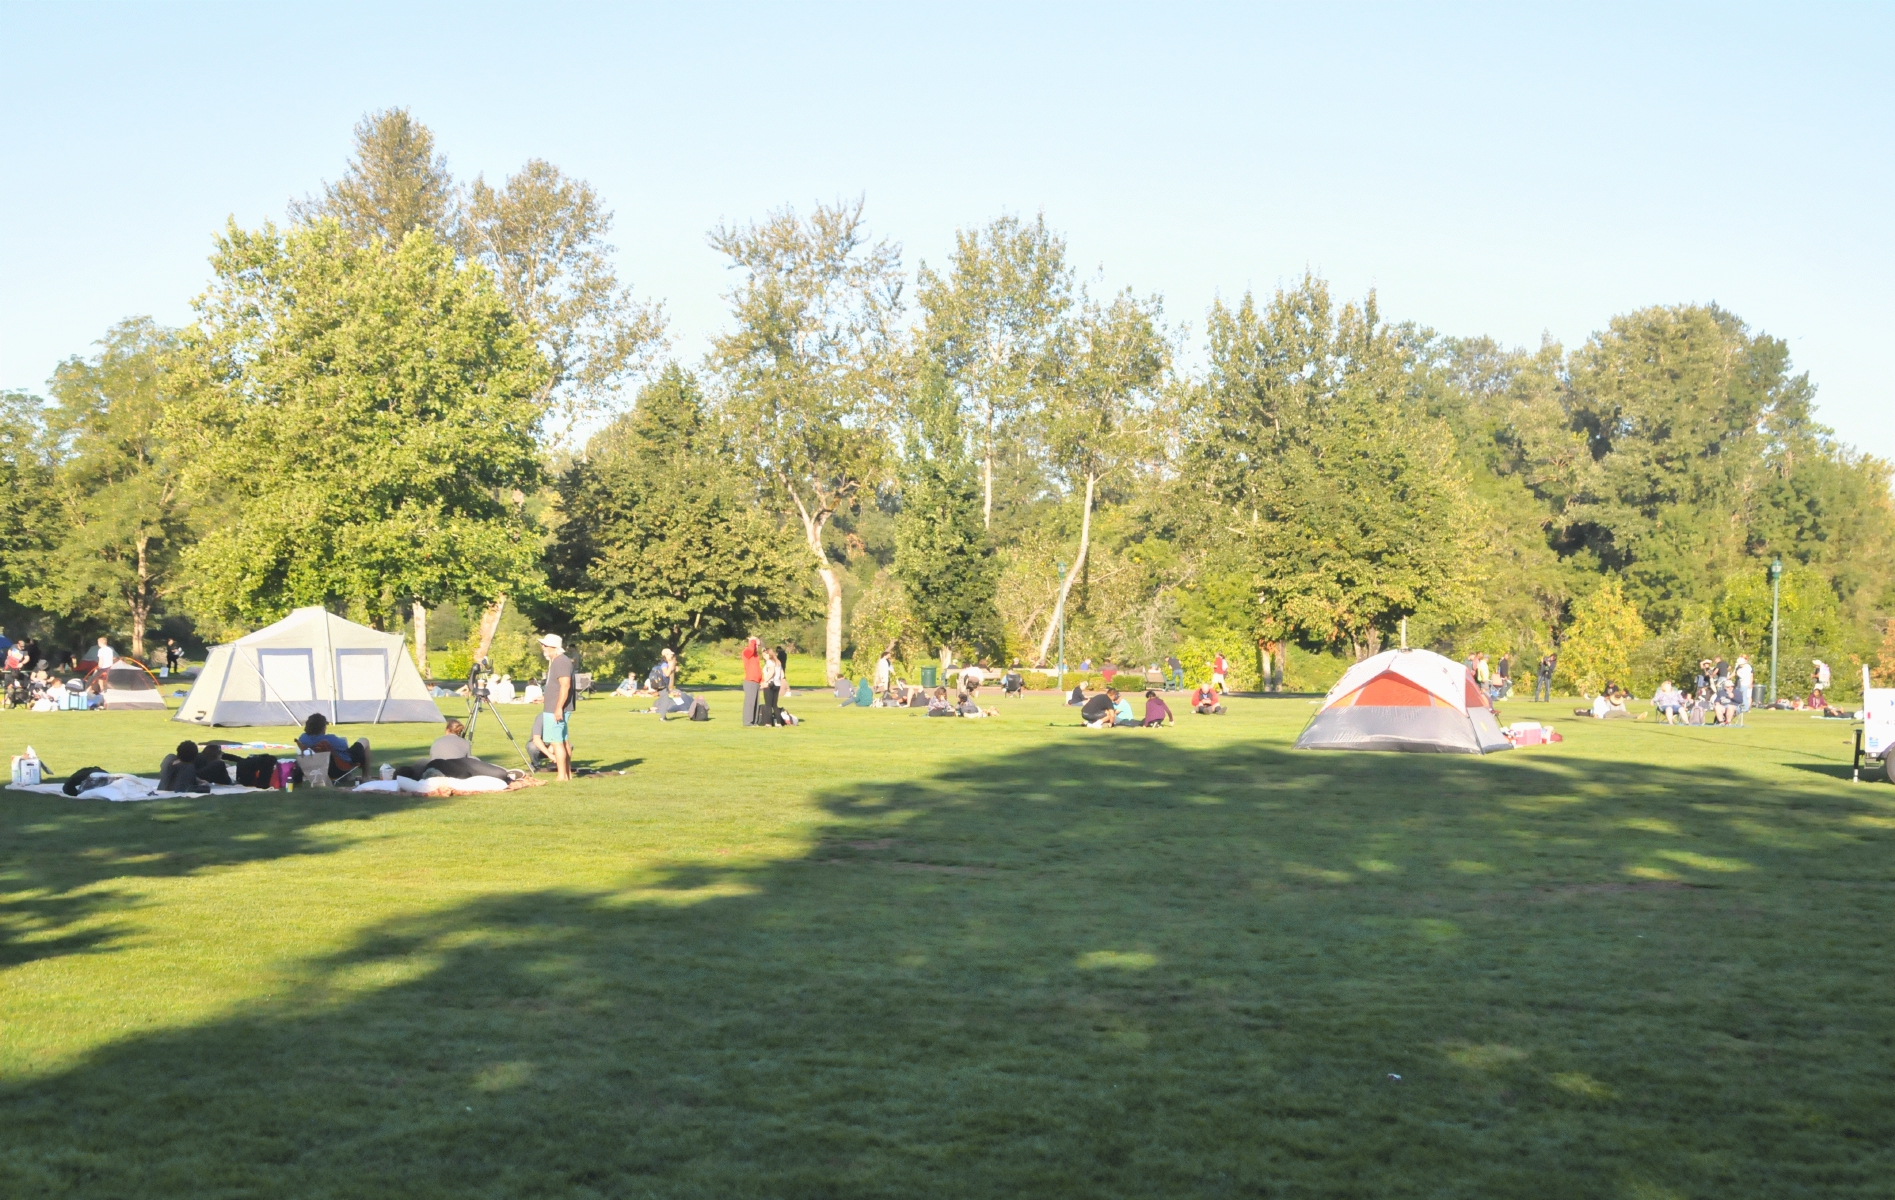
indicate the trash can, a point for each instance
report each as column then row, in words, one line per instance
column 927, row 677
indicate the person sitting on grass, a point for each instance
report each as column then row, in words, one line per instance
column 1122, row 717
column 1097, row 712
column 968, row 706
column 1204, row 701
column 629, row 686
column 212, row 766
column 1157, row 712
column 343, row 757
column 1077, row 698
column 178, row 772
column 1668, row 700
column 452, row 755
column 1608, row 705
column 1013, row 683
column 939, row 705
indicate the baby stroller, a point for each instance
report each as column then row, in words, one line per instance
column 1013, row 684
column 18, row 693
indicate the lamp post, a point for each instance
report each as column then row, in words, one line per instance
column 1062, row 637
column 1776, row 572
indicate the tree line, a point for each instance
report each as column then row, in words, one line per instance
column 416, row 394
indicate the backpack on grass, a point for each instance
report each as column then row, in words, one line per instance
column 256, row 771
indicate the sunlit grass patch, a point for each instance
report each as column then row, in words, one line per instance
column 1006, row 958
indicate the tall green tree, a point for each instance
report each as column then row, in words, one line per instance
column 662, row 542
column 395, row 183
column 1105, row 415
column 543, row 236
column 1680, row 408
column 366, row 423
column 943, row 555
column 992, row 321
column 810, row 368
column 121, row 519
column 1341, row 488
column 27, row 499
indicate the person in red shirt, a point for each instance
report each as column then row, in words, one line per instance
column 753, row 678
column 1204, row 700
column 1219, row 669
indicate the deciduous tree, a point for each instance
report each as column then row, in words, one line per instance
column 366, row 420
column 1104, row 414
column 395, row 183
column 943, row 556
column 543, row 236
column 662, row 542
column 992, row 321
column 121, row 517
column 810, row 367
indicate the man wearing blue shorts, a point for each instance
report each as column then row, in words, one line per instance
column 560, row 701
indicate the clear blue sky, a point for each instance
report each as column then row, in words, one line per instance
column 1487, row 169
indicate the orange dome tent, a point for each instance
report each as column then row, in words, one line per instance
column 1413, row 700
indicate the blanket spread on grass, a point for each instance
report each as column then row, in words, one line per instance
column 127, row 787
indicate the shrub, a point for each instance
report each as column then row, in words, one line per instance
column 1605, row 633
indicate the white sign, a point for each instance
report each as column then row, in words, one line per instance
column 1878, row 716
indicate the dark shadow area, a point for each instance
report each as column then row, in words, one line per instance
column 1109, row 967
column 1837, row 770
column 55, row 852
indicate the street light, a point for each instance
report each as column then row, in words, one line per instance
column 1776, row 572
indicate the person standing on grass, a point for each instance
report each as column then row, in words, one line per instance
column 107, row 655
column 884, row 671
column 1175, row 670
column 768, row 712
column 560, row 700
column 1219, row 670
column 753, row 678
column 1746, row 679
column 1543, row 680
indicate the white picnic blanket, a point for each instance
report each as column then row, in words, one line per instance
column 440, row 785
column 126, row 787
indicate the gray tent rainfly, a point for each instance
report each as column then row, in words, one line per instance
column 311, row 661
column 129, row 687
column 1413, row 700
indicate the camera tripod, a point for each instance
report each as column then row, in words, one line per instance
column 477, row 698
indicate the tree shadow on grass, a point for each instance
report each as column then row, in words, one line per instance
column 66, row 864
column 1105, row 967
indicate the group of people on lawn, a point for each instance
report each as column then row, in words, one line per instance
column 1110, row 709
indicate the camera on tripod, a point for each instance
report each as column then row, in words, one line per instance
column 478, row 677
column 478, row 698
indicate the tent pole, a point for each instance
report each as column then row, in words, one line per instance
column 258, row 672
column 388, row 681
column 335, row 685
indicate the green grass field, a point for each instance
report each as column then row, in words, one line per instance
column 879, row 955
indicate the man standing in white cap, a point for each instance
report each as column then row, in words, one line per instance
column 560, row 702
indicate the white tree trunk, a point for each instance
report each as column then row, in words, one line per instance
column 832, row 585
column 832, row 629
column 1066, row 584
column 987, row 484
column 490, row 625
column 421, row 638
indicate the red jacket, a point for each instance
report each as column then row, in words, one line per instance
column 753, row 664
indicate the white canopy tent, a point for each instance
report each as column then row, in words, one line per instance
column 311, row 661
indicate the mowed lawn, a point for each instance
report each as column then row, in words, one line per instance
column 880, row 955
